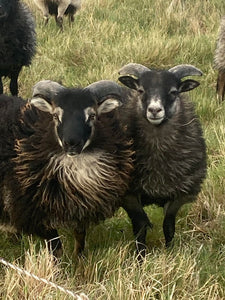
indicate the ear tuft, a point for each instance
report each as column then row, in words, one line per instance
column 130, row 81
column 41, row 104
column 188, row 85
column 108, row 105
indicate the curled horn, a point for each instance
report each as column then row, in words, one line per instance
column 105, row 89
column 47, row 89
column 132, row 70
column 181, row 71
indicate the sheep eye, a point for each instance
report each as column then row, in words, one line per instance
column 140, row 91
column 56, row 117
column 174, row 93
column 92, row 117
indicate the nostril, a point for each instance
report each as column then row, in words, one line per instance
column 154, row 110
column 71, row 146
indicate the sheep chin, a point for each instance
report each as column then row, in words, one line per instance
column 155, row 121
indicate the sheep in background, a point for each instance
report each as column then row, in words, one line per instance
column 170, row 159
column 219, row 61
column 63, row 161
column 17, row 41
column 58, row 8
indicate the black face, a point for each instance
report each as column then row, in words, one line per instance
column 6, row 6
column 76, row 117
column 159, row 91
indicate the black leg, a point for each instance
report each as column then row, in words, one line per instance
column 79, row 242
column 1, row 86
column 52, row 237
column 140, row 222
column 14, row 82
column 170, row 211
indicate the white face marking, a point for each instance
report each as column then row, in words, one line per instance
column 88, row 112
column 57, row 116
column 155, row 111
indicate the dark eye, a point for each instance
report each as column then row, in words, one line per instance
column 92, row 117
column 56, row 117
column 174, row 93
column 140, row 91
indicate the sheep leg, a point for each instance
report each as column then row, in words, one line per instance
column 61, row 11
column 52, row 236
column 44, row 8
column 79, row 242
column 71, row 19
column 1, row 86
column 14, row 82
column 170, row 211
column 220, row 87
column 140, row 222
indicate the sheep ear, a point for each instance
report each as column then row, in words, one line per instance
column 130, row 81
column 42, row 104
column 108, row 105
column 188, row 85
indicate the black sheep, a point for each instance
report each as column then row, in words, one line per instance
column 63, row 162
column 170, row 151
column 170, row 159
column 17, row 41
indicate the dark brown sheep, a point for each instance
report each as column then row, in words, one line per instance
column 66, row 163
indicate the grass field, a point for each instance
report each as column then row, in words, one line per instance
column 106, row 35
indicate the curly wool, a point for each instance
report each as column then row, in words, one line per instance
column 67, row 190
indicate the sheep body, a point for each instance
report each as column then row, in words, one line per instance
column 47, row 188
column 219, row 60
column 58, row 8
column 17, row 41
column 170, row 151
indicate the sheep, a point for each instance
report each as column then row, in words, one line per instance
column 170, row 151
column 64, row 162
column 219, row 61
column 17, row 41
column 58, row 8
column 168, row 143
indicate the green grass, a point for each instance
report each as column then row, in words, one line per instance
column 106, row 35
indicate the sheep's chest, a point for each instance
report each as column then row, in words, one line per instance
column 162, row 165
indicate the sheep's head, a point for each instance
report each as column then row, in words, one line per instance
column 75, row 112
column 159, row 91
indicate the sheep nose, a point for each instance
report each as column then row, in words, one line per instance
column 154, row 110
column 72, row 147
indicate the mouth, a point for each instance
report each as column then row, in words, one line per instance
column 155, row 121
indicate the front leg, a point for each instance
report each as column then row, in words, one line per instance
column 1, row 86
column 53, row 240
column 140, row 222
column 14, row 82
column 171, row 208
column 79, row 242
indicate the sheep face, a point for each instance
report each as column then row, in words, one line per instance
column 75, row 113
column 159, row 94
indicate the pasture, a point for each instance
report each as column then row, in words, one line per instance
column 106, row 35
